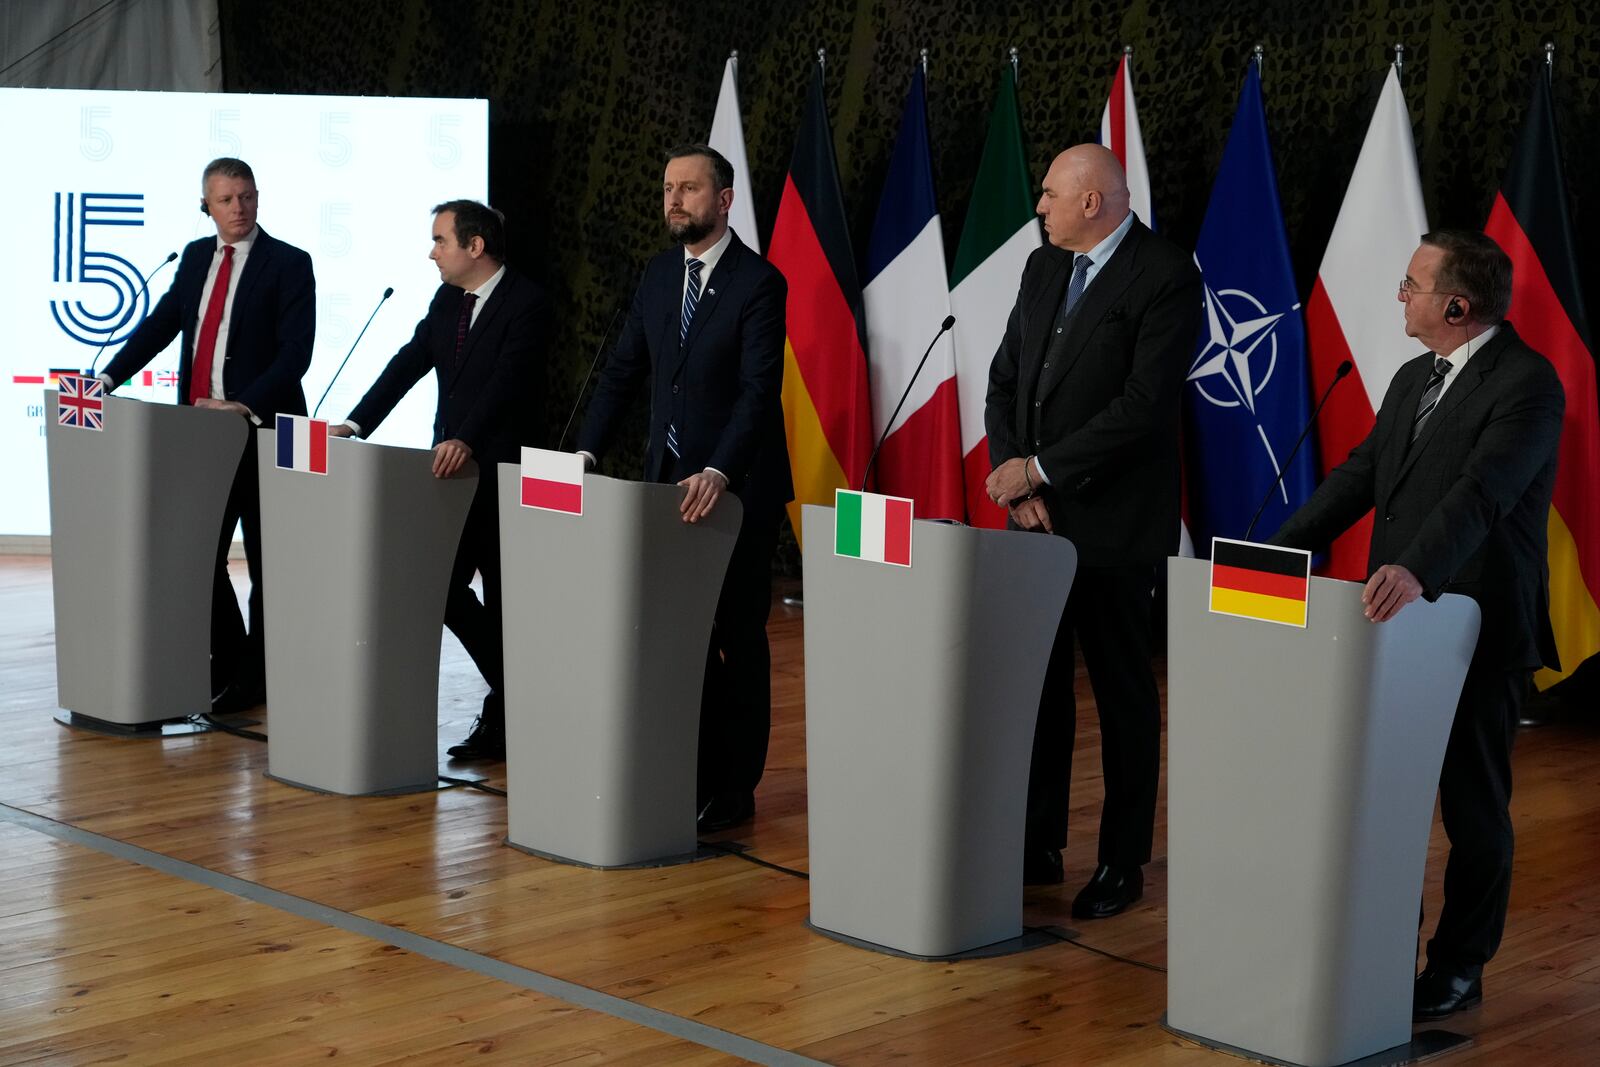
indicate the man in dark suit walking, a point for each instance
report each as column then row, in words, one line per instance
column 707, row 326
column 483, row 338
column 245, row 305
column 1460, row 467
column 1082, row 416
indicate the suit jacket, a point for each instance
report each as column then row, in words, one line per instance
column 721, row 387
column 1463, row 507
column 489, row 398
column 1098, row 403
column 270, row 330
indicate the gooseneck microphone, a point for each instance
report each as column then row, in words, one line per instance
column 387, row 293
column 1343, row 369
column 944, row 328
column 143, row 287
column 601, row 347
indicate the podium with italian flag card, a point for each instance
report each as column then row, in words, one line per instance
column 608, row 600
column 1303, row 750
column 926, row 647
column 357, row 543
column 137, row 493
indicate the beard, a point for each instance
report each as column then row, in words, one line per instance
column 688, row 231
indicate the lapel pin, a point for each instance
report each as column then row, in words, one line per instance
column 711, row 292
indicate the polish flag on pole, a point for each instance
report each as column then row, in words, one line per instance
column 552, row 481
column 1119, row 131
column 727, row 137
column 1353, row 312
column 302, row 444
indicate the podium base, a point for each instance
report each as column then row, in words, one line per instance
column 1424, row 1045
column 1030, row 939
column 432, row 785
column 700, row 853
column 142, row 731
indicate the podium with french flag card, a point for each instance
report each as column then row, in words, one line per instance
column 607, row 607
column 137, row 493
column 926, row 647
column 357, row 542
column 1303, row 750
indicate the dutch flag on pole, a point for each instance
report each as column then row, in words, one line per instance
column 552, row 481
column 872, row 527
column 302, row 444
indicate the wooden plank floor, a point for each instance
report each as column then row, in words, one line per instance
column 720, row 942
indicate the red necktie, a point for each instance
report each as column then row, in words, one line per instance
column 205, row 347
column 464, row 324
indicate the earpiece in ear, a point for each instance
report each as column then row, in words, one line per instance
column 1453, row 311
column 205, row 208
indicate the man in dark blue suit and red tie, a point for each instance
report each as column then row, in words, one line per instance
column 245, row 304
column 707, row 327
column 483, row 339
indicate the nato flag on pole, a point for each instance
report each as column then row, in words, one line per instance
column 1247, row 395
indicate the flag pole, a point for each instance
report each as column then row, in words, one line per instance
column 1016, row 72
column 1258, row 55
column 1549, row 60
column 733, row 57
column 1399, row 58
column 822, row 61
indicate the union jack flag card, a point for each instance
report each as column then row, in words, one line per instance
column 80, row 401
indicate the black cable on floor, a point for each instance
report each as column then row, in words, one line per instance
column 472, row 783
column 210, row 721
column 736, row 849
column 1050, row 932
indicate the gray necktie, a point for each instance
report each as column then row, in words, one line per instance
column 1430, row 395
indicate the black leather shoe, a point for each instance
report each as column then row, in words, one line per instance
column 1109, row 892
column 1438, row 993
column 725, row 810
column 487, row 741
column 1042, row 866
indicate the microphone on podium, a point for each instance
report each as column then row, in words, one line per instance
column 944, row 328
column 601, row 347
column 1338, row 375
column 143, row 286
column 387, row 293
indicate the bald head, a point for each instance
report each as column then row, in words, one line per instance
column 1084, row 197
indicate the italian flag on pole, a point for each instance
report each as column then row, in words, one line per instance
column 872, row 527
column 999, row 234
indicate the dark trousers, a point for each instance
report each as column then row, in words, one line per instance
column 238, row 657
column 736, row 703
column 1109, row 613
column 476, row 623
column 1475, row 803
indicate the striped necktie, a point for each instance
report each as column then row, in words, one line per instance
column 691, row 298
column 1430, row 395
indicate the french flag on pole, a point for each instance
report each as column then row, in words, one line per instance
column 872, row 527
column 302, row 444
column 552, row 481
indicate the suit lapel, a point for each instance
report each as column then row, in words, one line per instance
column 1100, row 297
column 255, row 264
column 1043, row 309
column 491, row 308
column 1472, row 375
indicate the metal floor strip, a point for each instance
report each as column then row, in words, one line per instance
column 537, row 981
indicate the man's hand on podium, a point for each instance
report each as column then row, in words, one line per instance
column 448, row 456
column 1391, row 588
column 340, row 429
column 225, row 405
column 704, row 489
column 1031, row 514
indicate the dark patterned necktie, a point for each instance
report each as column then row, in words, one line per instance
column 691, row 298
column 1080, row 280
column 1430, row 395
column 464, row 323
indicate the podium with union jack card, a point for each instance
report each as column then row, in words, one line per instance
column 359, row 539
column 137, row 492
column 1304, row 743
column 607, row 600
column 924, row 666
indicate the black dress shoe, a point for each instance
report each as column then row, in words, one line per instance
column 1042, row 866
column 1438, row 993
column 487, row 741
column 725, row 810
column 1109, row 892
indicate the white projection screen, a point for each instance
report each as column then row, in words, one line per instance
column 103, row 185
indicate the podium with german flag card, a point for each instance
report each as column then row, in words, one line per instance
column 926, row 648
column 607, row 607
column 357, row 543
column 1303, row 751
column 137, row 493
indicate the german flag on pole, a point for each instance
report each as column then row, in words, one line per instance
column 1530, row 221
column 1259, row 581
column 825, row 404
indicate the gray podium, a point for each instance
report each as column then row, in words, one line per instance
column 1302, row 766
column 922, row 687
column 135, row 514
column 607, row 621
column 357, row 564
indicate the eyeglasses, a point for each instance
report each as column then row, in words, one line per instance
column 1408, row 290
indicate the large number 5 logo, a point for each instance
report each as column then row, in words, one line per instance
column 78, row 259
